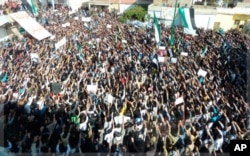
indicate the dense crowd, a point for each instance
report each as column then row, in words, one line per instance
column 51, row 104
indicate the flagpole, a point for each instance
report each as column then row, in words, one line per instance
column 172, row 28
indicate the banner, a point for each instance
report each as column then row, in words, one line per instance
column 60, row 43
column 118, row 119
column 167, row 13
column 30, row 25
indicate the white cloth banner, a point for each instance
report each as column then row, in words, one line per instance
column 60, row 43
column 30, row 25
column 118, row 119
column 167, row 13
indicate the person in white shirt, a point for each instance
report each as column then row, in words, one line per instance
column 219, row 141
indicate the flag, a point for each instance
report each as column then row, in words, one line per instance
column 157, row 30
column 34, row 11
column 204, row 51
column 81, row 55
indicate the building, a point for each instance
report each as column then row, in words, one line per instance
column 205, row 17
column 227, row 18
column 119, row 5
column 158, row 5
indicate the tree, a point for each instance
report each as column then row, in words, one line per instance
column 136, row 13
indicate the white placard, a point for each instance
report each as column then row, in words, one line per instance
column 86, row 19
column 109, row 26
column 162, row 48
column 202, row 73
column 173, row 60
column 76, row 18
column 92, row 89
column 184, row 54
column 60, row 43
column 118, row 119
column 179, row 100
column 161, row 59
column 108, row 99
column 66, row 25
column 34, row 57
column 124, row 41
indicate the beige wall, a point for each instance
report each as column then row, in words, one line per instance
column 114, row 6
column 226, row 21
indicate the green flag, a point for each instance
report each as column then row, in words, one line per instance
column 157, row 30
column 34, row 11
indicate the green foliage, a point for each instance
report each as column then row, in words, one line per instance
column 122, row 19
column 136, row 13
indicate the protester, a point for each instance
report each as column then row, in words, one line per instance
column 107, row 90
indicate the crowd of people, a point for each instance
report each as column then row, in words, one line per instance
column 106, row 91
